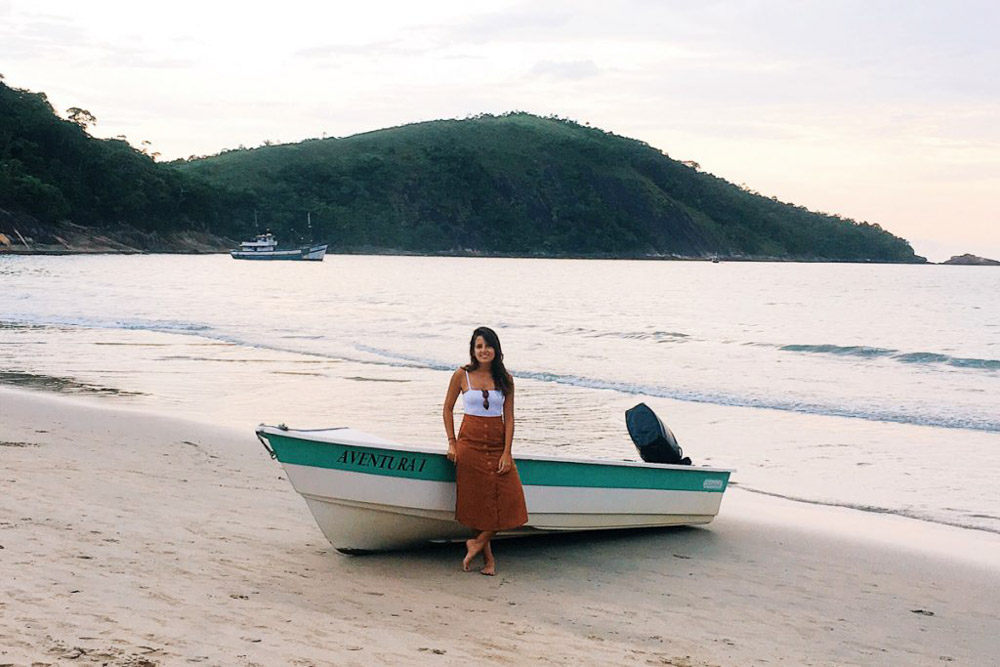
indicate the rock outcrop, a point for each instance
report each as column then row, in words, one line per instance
column 971, row 260
column 26, row 235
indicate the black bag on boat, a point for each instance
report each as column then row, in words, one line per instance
column 655, row 442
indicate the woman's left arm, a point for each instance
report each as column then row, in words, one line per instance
column 507, row 459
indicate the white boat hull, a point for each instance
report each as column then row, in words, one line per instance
column 308, row 253
column 361, row 504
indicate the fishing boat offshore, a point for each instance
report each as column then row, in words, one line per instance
column 265, row 246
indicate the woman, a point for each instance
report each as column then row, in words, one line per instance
column 489, row 497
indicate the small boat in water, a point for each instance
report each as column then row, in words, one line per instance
column 371, row 494
column 264, row 246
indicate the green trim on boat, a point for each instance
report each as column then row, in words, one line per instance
column 572, row 473
column 371, row 460
column 533, row 472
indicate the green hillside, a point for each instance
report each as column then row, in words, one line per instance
column 524, row 185
column 52, row 172
column 514, row 184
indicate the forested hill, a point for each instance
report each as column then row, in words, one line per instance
column 52, row 173
column 514, row 184
column 523, row 185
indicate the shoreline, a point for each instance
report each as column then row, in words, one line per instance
column 393, row 252
column 224, row 246
column 866, row 509
column 134, row 536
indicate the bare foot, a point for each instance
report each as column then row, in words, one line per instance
column 472, row 547
column 489, row 564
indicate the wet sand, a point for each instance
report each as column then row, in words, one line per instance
column 129, row 538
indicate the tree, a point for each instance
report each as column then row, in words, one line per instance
column 81, row 117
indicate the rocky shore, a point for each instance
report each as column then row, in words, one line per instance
column 25, row 236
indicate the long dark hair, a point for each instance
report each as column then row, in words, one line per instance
column 501, row 378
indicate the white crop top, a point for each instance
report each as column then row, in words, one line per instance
column 473, row 401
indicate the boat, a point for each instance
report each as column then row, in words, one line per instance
column 264, row 246
column 371, row 494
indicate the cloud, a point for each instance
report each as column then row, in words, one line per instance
column 387, row 48
column 115, row 56
column 574, row 69
column 519, row 24
column 38, row 36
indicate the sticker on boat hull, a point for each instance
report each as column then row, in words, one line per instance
column 382, row 461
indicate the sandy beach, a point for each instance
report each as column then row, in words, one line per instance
column 129, row 538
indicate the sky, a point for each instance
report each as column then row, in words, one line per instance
column 885, row 111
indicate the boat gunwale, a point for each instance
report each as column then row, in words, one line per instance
column 388, row 444
column 262, row 251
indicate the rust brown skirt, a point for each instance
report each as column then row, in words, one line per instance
column 484, row 499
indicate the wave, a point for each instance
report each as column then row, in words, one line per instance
column 412, row 361
column 867, row 412
column 851, row 350
column 384, row 357
column 960, row 362
column 658, row 336
column 903, row 357
column 585, row 332
column 164, row 326
column 197, row 330
column 874, row 509
column 203, row 331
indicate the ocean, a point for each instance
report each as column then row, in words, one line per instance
column 873, row 387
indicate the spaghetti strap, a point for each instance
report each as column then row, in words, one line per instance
column 468, row 382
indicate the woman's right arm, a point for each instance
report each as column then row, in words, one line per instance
column 448, row 412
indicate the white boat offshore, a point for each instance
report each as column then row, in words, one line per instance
column 370, row 494
column 264, row 246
